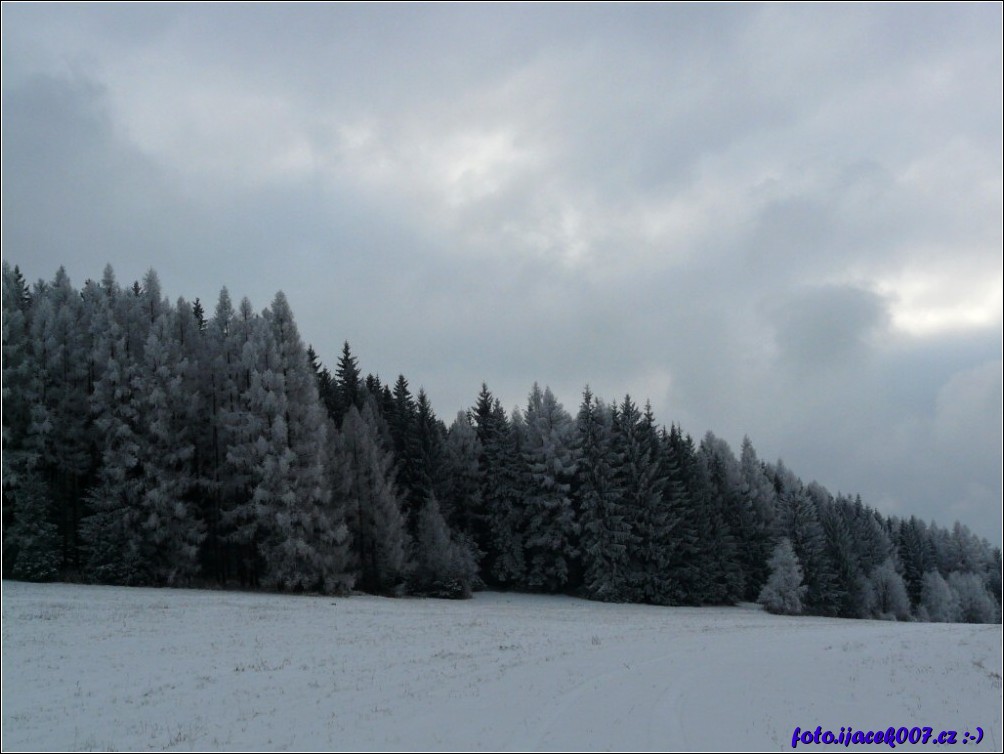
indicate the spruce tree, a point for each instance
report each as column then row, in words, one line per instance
column 549, row 523
column 502, row 474
column 606, row 539
column 371, row 503
column 640, row 479
column 758, row 503
column 443, row 566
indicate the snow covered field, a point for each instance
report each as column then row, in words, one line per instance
column 113, row 668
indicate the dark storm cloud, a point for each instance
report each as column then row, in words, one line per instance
column 781, row 221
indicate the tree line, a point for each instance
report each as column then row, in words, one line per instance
column 146, row 443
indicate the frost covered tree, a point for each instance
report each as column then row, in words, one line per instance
column 259, row 461
column 169, row 524
column 938, row 601
column 462, row 502
column 605, row 534
column 640, row 478
column 504, row 480
column 371, row 503
column 916, row 554
column 758, row 502
column 300, row 525
column 61, row 435
column 32, row 546
column 722, row 543
column 221, row 373
column 890, row 600
column 798, row 520
column 114, row 533
column 443, row 566
column 549, row 522
column 850, row 592
column 784, row 591
column 975, row 603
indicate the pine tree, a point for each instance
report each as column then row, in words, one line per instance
column 722, row 554
column 373, row 513
column 220, row 373
column 443, row 566
column 259, row 461
column 462, row 502
column 61, row 435
column 798, row 520
column 606, row 539
column 503, row 476
column 784, row 591
column 549, row 522
column 293, row 550
column 348, row 386
column 758, row 503
column 402, row 420
column 916, row 555
column 32, row 547
column 835, row 519
column 430, row 434
column 169, row 525
column 640, row 478
column 113, row 532
column 339, row 563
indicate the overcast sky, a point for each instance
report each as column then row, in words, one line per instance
column 780, row 221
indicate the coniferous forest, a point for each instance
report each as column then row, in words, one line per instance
column 146, row 443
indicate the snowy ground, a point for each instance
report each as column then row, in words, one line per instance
column 110, row 668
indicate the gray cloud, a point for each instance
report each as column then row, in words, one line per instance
column 780, row 221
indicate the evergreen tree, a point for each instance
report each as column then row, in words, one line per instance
column 503, row 477
column 61, row 433
column 348, row 385
column 758, row 502
column 639, row 477
column 443, row 566
column 32, row 547
column 170, row 528
column 891, row 601
column 722, row 551
column 848, row 588
column 784, row 591
column 301, row 527
column 938, row 601
column 975, row 603
column 325, row 382
column 220, row 373
column 259, row 460
column 606, row 539
column 402, row 420
column 371, row 503
column 430, row 435
column 549, row 522
column 798, row 520
column 114, row 535
column 916, row 555
column 463, row 505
